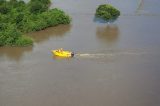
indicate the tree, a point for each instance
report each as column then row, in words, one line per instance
column 107, row 12
column 4, row 8
column 37, row 7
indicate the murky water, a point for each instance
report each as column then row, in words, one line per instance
column 117, row 64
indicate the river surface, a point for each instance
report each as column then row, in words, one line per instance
column 117, row 64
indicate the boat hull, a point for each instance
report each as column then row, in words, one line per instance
column 63, row 53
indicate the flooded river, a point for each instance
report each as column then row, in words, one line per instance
column 117, row 64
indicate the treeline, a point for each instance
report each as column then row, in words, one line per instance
column 18, row 18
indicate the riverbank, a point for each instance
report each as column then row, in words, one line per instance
column 27, row 17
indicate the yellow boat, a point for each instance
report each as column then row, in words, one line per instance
column 62, row 53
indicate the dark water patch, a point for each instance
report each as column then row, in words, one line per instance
column 108, row 33
column 14, row 53
column 44, row 35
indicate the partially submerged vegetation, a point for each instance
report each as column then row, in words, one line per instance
column 107, row 12
column 18, row 18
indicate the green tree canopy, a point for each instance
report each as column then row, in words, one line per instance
column 107, row 12
column 18, row 18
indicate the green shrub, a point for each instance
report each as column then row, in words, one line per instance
column 55, row 17
column 9, row 34
column 18, row 18
column 2, row 1
column 36, row 22
column 37, row 7
column 4, row 8
column 107, row 12
column 24, row 41
column 13, row 3
column 12, row 37
column 45, row 2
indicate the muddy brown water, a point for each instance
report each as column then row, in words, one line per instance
column 117, row 64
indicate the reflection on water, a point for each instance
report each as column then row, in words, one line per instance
column 44, row 35
column 61, row 58
column 14, row 53
column 108, row 34
column 100, row 20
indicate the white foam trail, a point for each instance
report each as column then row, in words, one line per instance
column 93, row 55
column 100, row 55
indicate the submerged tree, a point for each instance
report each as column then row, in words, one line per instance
column 107, row 12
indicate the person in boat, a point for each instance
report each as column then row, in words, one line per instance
column 60, row 50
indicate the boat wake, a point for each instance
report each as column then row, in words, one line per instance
column 102, row 55
column 88, row 55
